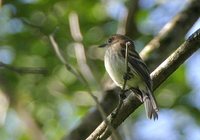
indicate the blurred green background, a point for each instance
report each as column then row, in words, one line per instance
column 47, row 107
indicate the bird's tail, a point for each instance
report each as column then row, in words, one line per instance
column 150, row 105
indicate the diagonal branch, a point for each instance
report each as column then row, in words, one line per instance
column 82, row 79
column 171, row 35
column 63, row 60
column 160, row 74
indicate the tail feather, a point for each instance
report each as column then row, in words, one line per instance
column 150, row 106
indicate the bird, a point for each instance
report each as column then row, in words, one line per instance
column 136, row 73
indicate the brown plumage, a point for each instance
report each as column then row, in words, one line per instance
column 139, row 77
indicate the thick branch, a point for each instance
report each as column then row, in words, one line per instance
column 161, row 73
column 158, row 76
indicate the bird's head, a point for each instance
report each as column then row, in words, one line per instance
column 117, row 40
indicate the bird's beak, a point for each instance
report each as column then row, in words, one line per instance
column 102, row 46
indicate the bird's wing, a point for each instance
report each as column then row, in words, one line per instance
column 139, row 66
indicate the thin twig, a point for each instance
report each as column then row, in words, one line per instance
column 63, row 60
column 80, row 78
column 123, row 90
column 24, row 70
column 126, row 65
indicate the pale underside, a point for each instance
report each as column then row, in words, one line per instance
column 116, row 68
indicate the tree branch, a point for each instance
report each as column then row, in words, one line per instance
column 24, row 70
column 161, row 73
column 170, row 36
column 158, row 76
column 131, row 27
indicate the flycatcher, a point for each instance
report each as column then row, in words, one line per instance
column 137, row 73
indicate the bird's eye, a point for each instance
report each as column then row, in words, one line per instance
column 110, row 40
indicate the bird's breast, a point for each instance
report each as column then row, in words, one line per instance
column 115, row 66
